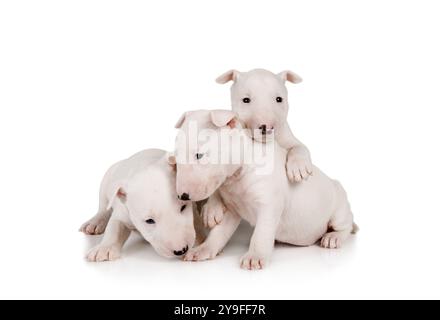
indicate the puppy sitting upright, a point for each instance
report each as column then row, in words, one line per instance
column 139, row 194
column 259, row 97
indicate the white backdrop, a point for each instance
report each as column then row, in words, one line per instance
column 86, row 83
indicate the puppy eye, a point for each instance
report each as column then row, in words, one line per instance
column 279, row 99
column 183, row 208
column 246, row 100
column 150, row 221
column 199, row 156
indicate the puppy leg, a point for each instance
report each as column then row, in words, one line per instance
column 213, row 211
column 298, row 166
column 298, row 161
column 110, row 247
column 97, row 224
column 218, row 237
column 341, row 224
column 262, row 241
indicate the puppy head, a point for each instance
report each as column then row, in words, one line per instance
column 156, row 212
column 259, row 97
column 204, row 152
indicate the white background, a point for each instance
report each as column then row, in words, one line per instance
column 86, row 83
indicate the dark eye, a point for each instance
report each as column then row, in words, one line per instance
column 279, row 99
column 199, row 156
column 183, row 208
column 150, row 221
column 246, row 100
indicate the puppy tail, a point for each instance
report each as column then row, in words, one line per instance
column 346, row 211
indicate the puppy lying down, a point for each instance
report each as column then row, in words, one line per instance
column 139, row 194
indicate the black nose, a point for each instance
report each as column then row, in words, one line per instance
column 181, row 252
column 184, row 197
column 263, row 129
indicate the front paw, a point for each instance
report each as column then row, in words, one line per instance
column 103, row 253
column 298, row 169
column 252, row 261
column 201, row 253
column 212, row 214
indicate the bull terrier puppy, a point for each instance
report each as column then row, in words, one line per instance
column 139, row 194
column 298, row 214
column 259, row 97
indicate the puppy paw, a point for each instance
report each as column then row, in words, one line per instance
column 200, row 253
column 212, row 214
column 298, row 168
column 251, row 261
column 103, row 253
column 94, row 226
column 332, row 240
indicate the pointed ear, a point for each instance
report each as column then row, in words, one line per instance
column 290, row 76
column 118, row 193
column 231, row 75
column 180, row 121
column 222, row 118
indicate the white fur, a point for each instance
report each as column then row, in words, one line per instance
column 262, row 87
column 136, row 189
column 294, row 213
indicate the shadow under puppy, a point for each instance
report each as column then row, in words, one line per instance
column 138, row 194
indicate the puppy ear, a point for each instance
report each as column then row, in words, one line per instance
column 118, row 193
column 180, row 121
column 223, row 118
column 171, row 158
column 290, row 76
column 231, row 75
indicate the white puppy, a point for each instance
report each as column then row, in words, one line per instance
column 259, row 97
column 139, row 194
column 298, row 214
